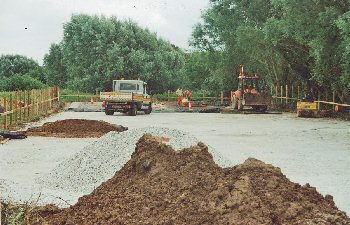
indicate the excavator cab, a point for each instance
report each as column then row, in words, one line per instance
column 248, row 93
column 249, row 85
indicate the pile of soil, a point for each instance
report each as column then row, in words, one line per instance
column 74, row 128
column 161, row 186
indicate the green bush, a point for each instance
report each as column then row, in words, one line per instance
column 20, row 82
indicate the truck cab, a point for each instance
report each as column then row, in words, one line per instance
column 127, row 86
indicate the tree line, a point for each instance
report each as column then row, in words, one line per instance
column 287, row 41
column 94, row 51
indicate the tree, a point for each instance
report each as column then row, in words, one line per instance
column 54, row 67
column 95, row 50
column 19, row 72
column 16, row 64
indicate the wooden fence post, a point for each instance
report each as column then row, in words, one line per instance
column 222, row 97
column 30, row 102
column 42, row 108
column 25, row 105
column 333, row 101
column 5, row 110
column 50, row 98
column 286, row 94
column 11, row 109
column 318, row 98
column 276, row 95
column 47, row 100
column 41, row 102
column 276, row 91
column 58, row 94
column 271, row 90
column 37, row 99
column 35, row 108
column 281, row 94
column 20, row 106
column 16, row 108
column 44, row 101
column 168, row 95
column 298, row 93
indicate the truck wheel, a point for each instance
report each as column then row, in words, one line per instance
column 260, row 108
column 133, row 110
column 149, row 110
column 263, row 108
column 109, row 112
column 299, row 113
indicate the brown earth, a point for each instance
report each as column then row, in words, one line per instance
column 75, row 128
column 161, row 186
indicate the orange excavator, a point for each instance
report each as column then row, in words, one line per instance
column 249, row 93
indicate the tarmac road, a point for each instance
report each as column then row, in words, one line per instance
column 314, row 151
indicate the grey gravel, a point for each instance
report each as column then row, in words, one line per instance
column 99, row 161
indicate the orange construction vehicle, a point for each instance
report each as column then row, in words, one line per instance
column 249, row 93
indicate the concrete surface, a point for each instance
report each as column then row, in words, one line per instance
column 85, row 107
column 315, row 151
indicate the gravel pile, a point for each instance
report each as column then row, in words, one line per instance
column 99, row 161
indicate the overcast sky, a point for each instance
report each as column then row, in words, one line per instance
column 44, row 19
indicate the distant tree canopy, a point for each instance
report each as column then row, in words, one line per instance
column 19, row 72
column 95, row 50
column 288, row 41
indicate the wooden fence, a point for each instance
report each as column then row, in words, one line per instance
column 25, row 106
column 285, row 94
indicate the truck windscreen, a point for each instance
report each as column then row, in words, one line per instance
column 127, row 87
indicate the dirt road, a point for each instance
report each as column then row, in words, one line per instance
column 314, row 151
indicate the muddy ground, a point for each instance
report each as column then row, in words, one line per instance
column 314, row 151
column 161, row 186
column 74, row 128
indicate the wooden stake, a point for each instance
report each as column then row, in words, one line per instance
column 5, row 110
column 20, row 106
column 11, row 108
column 276, row 94
column 319, row 98
column 271, row 90
column 16, row 108
column 222, row 97
column 281, row 94
column 333, row 100
column 25, row 106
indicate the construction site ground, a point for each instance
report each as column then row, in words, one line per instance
column 314, row 151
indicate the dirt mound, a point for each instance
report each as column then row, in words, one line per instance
column 161, row 186
column 74, row 128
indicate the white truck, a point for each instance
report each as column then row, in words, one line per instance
column 128, row 96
